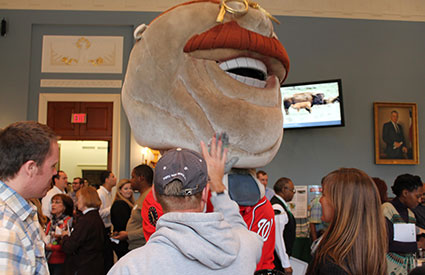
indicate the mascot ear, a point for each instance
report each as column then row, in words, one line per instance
column 139, row 31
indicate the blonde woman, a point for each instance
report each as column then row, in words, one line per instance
column 356, row 240
column 120, row 213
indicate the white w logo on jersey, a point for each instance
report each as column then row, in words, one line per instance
column 264, row 228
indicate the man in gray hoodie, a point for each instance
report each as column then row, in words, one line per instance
column 187, row 240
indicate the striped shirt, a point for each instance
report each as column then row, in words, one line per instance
column 315, row 210
column 21, row 247
column 316, row 214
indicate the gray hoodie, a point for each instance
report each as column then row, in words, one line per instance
column 197, row 243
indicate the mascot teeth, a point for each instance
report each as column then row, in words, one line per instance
column 247, row 70
column 248, row 80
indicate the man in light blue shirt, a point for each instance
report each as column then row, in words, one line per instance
column 264, row 180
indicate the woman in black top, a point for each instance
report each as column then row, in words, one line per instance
column 120, row 213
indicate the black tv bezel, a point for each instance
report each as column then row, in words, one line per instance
column 341, row 103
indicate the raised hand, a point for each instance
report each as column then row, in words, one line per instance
column 224, row 137
column 215, row 159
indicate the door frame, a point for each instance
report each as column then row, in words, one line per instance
column 44, row 98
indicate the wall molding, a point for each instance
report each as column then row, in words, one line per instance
column 81, row 83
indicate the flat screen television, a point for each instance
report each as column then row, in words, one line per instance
column 312, row 104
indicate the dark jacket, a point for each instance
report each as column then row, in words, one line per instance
column 84, row 248
column 390, row 135
column 120, row 214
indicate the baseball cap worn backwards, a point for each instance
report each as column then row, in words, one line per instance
column 184, row 165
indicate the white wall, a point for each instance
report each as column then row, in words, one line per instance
column 78, row 155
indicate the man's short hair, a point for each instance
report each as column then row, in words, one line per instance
column 171, row 200
column 261, row 172
column 56, row 176
column 104, row 175
column 21, row 142
column 394, row 111
column 80, row 180
column 144, row 171
column 280, row 184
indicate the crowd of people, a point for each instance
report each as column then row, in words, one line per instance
column 79, row 240
column 185, row 221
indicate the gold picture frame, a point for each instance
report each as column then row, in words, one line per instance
column 396, row 133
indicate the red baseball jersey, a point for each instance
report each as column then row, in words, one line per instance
column 260, row 219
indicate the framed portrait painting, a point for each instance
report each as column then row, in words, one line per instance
column 396, row 133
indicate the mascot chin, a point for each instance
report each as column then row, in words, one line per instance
column 206, row 67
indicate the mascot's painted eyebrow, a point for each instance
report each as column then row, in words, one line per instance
column 231, row 35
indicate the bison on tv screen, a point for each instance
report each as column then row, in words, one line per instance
column 312, row 104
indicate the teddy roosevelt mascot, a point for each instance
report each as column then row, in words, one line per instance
column 206, row 67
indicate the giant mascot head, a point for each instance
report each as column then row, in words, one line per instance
column 190, row 76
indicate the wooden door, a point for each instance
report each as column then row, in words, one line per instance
column 99, row 120
column 98, row 125
column 59, row 118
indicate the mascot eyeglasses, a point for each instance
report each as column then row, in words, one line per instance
column 239, row 8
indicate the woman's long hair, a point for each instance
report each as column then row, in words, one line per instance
column 118, row 195
column 356, row 239
column 43, row 220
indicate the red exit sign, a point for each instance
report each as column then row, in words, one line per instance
column 79, row 118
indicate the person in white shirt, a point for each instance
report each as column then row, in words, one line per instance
column 107, row 180
column 60, row 181
column 285, row 223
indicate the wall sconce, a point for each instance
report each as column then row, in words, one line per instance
column 149, row 156
column 142, row 155
column 145, row 151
